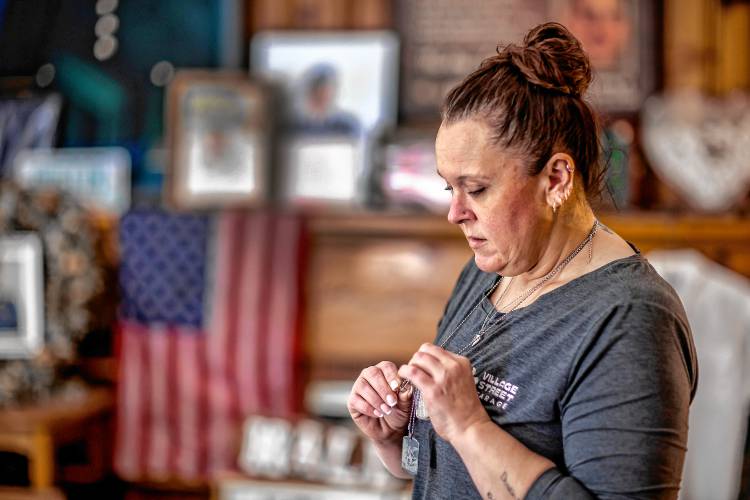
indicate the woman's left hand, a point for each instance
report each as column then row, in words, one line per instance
column 446, row 383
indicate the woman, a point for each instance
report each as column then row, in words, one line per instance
column 564, row 365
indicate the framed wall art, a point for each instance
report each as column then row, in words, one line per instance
column 220, row 137
column 21, row 295
column 443, row 41
column 340, row 92
column 98, row 177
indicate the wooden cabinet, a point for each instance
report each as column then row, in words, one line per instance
column 376, row 285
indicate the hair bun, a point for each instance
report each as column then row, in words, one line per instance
column 552, row 58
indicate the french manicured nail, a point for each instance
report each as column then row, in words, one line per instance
column 385, row 409
column 377, row 413
column 394, row 384
column 391, row 400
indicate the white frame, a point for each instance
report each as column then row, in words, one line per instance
column 99, row 177
column 25, row 251
column 330, row 45
column 334, row 182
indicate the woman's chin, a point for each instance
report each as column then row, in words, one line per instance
column 487, row 264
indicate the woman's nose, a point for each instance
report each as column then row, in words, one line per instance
column 458, row 211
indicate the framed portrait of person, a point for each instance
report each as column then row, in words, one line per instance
column 98, row 177
column 340, row 83
column 21, row 296
column 220, row 140
column 340, row 92
column 618, row 35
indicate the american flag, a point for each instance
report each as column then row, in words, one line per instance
column 207, row 336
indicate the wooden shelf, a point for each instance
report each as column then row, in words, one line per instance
column 377, row 283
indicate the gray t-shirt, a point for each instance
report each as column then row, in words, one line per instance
column 596, row 375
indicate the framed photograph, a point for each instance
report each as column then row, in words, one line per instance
column 220, row 140
column 340, row 83
column 322, row 171
column 409, row 176
column 266, row 447
column 339, row 87
column 21, row 296
column 619, row 36
column 98, row 177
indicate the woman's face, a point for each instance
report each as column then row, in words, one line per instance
column 501, row 209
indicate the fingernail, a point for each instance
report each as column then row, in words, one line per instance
column 394, row 384
column 391, row 400
column 385, row 409
column 377, row 413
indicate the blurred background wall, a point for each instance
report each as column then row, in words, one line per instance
column 215, row 213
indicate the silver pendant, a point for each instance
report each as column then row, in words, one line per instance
column 421, row 412
column 410, row 455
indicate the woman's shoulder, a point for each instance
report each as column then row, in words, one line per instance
column 629, row 281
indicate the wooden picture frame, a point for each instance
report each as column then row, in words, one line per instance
column 219, row 134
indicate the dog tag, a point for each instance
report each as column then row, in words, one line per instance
column 409, row 455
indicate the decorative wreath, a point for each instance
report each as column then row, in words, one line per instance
column 72, row 280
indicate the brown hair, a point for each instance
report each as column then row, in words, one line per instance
column 531, row 98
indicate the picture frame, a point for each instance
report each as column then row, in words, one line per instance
column 409, row 178
column 438, row 55
column 358, row 69
column 21, row 295
column 340, row 88
column 620, row 41
column 98, row 177
column 220, row 140
column 322, row 171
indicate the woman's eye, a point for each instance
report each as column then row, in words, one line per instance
column 448, row 188
column 477, row 191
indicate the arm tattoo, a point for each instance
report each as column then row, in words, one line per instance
column 511, row 491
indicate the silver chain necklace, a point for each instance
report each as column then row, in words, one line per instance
column 410, row 445
column 418, row 406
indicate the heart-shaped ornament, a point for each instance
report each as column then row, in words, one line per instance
column 700, row 146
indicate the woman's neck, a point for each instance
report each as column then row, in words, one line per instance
column 570, row 227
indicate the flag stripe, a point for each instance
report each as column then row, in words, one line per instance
column 250, row 294
column 159, row 442
column 261, row 332
column 145, row 433
column 281, row 328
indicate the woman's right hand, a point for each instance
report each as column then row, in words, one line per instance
column 375, row 404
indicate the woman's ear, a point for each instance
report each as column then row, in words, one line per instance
column 559, row 175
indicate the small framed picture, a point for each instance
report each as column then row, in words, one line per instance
column 21, row 296
column 409, row 176
column 98, row 177
column 220, row 140
column 322, row 171
column 266, row 447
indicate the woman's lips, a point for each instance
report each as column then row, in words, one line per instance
column 475, row 242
